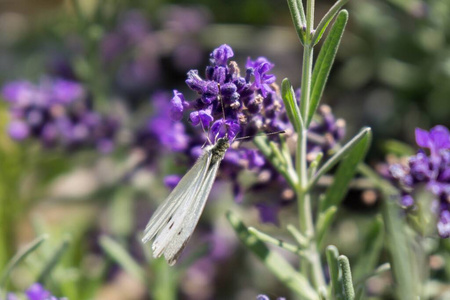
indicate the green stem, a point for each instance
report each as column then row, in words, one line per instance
column 313, row 266
column 305, row 96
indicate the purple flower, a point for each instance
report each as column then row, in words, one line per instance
column 268, row 212
column 325, row 131
column 37, row 292
column 443, row 224
column 161, row 132
column 11, row 296
column 433, row 170
column 234, row 104
column 221, row 55
column 65, row 91
column 204, row 116
column 222, row 128
column 18, row 130
column 436, row 139
column 171, row 181
column 263, row 80
column 178, row 105
column 59, row 113
column 18, row 92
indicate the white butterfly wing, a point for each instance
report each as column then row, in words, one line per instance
column 164, row 213
column 191, row 214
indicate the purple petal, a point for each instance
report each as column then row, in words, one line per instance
column 37, row 292
column 222, row 54
column 221, row 128
column 422, row 138
column 268, row 213
column 407, row 200
column 195, row 82
column 443, row 225
column 18, row 130
column 171, row 181
column 440, row 137
column 178, row 104
column 204, row 116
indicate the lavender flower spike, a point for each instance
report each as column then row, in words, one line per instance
column 433, row 170
column 37, row 292
column 438, row 138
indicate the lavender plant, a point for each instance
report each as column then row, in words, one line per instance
column 244, row 103
column 229, row 104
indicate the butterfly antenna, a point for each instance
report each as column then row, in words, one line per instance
column 207, row 135
column 265, row 134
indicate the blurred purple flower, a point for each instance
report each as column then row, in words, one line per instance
column 436, row 139
column 171, row 181
column 268, row 212
column 325, row 132
column 35, row 292
column 433, row 170
column 59, row 113
column 161, row 132
column 18, row 130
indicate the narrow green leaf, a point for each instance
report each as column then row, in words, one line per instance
column 323, row 223
column 121, row 256
column 291, row 105
column 337, row 290
column 19, row 257
column 298, row 17
column 398, row 148
column 323, row 24
column 323, row 293
column 324, row 63
column 264, row 237
column 370, row 253
column 398, row 239
column 380, row 269
column 345, row 150
column 300, row 238
column 346, row 170
column 262, row 143
column 360, row 284
column 276, row 151
column 54, row 259
column 273, row 261
column 399, row 243
column 344, row 265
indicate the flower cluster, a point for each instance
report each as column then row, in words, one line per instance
column 228, row 103
column 160, row 133
column 325, row 132
column 59, row 113
column 35, row 292
column 431, row 169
